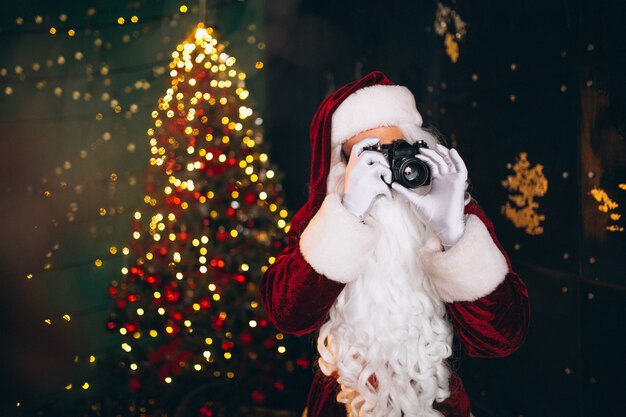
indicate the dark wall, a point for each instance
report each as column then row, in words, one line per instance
column 317, row 46
column 546, row 78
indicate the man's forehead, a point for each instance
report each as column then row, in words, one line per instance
column 385, row 134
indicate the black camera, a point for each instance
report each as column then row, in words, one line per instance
column 406, row 169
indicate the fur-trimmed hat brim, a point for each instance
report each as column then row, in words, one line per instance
column 373, row 107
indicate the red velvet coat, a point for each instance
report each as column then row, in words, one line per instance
column 297, row 298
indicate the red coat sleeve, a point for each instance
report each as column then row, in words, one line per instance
column 496, row 324
column 295, row 297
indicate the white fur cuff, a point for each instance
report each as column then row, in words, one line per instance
column 336, row 243
column 471, row 269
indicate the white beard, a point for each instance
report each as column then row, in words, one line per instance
column 387, row 339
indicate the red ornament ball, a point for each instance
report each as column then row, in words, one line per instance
column 250, row 198
column 269, row 343
column 206, row 412
column 172, row 295
column 245, row 338
column 134, row 384
column 130, row 327
column 303, row 363
column 258, row 397
column 218, row 170
column 218, row 324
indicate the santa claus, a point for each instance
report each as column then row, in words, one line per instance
column 394, row 278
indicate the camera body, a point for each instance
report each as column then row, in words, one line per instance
column 406, row 169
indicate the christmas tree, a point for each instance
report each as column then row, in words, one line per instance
column 186, row 304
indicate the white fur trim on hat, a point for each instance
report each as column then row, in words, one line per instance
column 372, row 107
column 335, row 242
column 470, row 269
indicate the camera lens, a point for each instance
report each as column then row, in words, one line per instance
column 412, row 173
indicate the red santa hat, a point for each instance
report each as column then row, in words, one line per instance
column 371, row 102
column 372, row 107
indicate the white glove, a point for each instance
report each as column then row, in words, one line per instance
column 443, row 206
column 366, row 175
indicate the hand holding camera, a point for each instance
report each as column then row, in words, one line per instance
column 443, row 207
column 367, row 176
column 406, row 168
